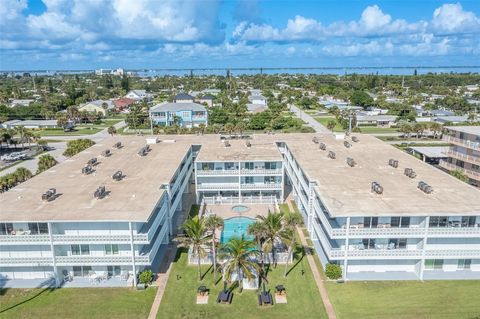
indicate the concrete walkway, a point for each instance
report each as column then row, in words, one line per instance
column 318, row 279
column 319, row 128
column 162, row 278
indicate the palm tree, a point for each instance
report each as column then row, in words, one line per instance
column 202, row 128
column 229, row 127
column 195, row 238
column 436, row 128
column 112, row 130
column 217, row 128
column 291, row 220
column 21, row 130
column 212, row 223
column 239, row 262
column 240, row 127
column 331, row 125
column 257, row 230
column 45, row 162
column 29, row 136
column 273, row 225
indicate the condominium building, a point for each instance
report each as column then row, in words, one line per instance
column 464, row 153
column 362, row 209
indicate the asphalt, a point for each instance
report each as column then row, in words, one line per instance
column 319, row 128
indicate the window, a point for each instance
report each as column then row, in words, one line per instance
column 186, row 114
column 86, row 270
column 269, row 179
column 464, row 264
column 80, row 250
column 208, row 166
column 3, row 229
column 270, row 165
column 75, row 249
column 249, row 180
column 229, row 165
column 468, row 221
column 370, row 222
column 114, row 271
column 111, row 249
column 432, row 264
column 43, row 228
column 81, row 271
column 249, row 165
column 368, row 243
column 437, row 221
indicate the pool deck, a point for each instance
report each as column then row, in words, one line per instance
column 225, row 211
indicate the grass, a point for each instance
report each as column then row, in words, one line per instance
column 406, row 299
column 61, row 132
column 377, row 130
column 86, row 303
column 179, row 298
column 324, row 121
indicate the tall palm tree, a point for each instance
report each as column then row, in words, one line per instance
column 195, row 238
column 291, row 221
column 240, row 262
column 212, row 223
column 274, row 231
column 21, row 130
column 257, row 230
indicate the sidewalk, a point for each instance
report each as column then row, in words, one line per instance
column 319, row 128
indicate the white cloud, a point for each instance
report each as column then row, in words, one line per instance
column 452, row 18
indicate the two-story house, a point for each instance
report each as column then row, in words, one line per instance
column 184, row 112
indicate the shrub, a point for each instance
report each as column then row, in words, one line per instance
column 333, row 271
column 76, row 146
column 146, row 277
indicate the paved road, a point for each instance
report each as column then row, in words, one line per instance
column 319, row 128
column 94, row 137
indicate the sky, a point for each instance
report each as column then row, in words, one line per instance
column 133, row 34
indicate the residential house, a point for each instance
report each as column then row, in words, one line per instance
column 97, row 106
column 29, row 124
column 183, row 98
column 375, row 120
column 122, row 104
column 139, row 95
column 185, row 113
column 206, row 99
column 21, row 102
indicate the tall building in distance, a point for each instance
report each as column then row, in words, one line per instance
column 464, row 154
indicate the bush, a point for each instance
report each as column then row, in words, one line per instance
column 333, row 271
column 76, row 146
column 146, row 277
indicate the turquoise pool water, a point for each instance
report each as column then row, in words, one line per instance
column 235, row 227
column 240, row 209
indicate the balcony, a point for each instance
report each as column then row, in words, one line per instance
column 261, row 186
column 471, row 174
column 217, row 186
column 26, row 261
column 218, row 172
column 464, row 143
column 25, row 239
column 261, row 171
column 107, row 238
column 454, row 231
column 100, row 260
column 452, row 253
column 384, row 253
column 464, row 157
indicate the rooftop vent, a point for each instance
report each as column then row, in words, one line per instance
column 424, row 187
column 49, row 195
column 355, row 139
column 87, row 169
column 377, row 188
column 347, row 144
column 315, row 140
column 331, row 154
column 410, row 172
column 106, row 153
column 144, row 150
column 92, row 161
column 100, row 193
column 248, row 144
column 118, row 176
column 118, row 145
column 351, row 162
column 226, row 143
column 393, row 162
column 322, row 146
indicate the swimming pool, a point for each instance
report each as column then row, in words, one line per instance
column 235, row 227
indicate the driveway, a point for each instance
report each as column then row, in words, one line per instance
column 319, row 128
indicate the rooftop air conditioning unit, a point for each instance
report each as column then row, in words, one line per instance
column 106, row 153
column 87, row 169
column 393, row 162
column 117, row 176
column 118, row 145
column 331, row 154
column 347, row 144
column 351, row 162
column 377, row 188
column 49, row 194
column 92, row 161
column 144, row 150
column 315, row 140
column 410, row 172
column 355, row 139
column 226, row 143
column 322, row 146
column 100, row 192
column 248, row 144
column 424, row 187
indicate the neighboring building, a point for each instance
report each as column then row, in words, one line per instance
column 122, row 104
column 258, row 99
column 139, row 95
column 24, row 102
column 436, row 113
column 451, row 119
column 206, row 99
column 376, row 120
column 464, row 154
column 29, row 124
column 185, row 113
column 183, row 98
column 400, row 233
column 256, row 108
column 97, row 106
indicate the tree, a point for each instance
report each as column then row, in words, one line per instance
column 212, row 223
column 419, row 128
column 21, row 130
column 333, row 271
column 405, row 128
column 331, row 125
column 62, row 120
column 112, row 130
column 274, row 231
column 460, row 175
column 291, row 220
column 77, row 146
column 436, row 128
column 239, row 262
column 202, row 128
column 45, row 162
column 195, row 238
column 146, row 277
column 257, row 230
column 240, row 127
column 125, row 83
column 361, row 98
column 229, row 127
column 217, row 128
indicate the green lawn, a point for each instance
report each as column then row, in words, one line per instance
column 61, row 132
column 406, row 299
column 377, row 130
column 180, row 295
column 324, row 121
column 86, row 303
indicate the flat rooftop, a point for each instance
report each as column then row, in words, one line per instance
column 344, row 190
column 475, row 130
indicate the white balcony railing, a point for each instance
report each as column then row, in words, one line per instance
column 261, row 171
column 464, row 157
column 99, row 260
column 218, row 200
column 390, row 253
column 26, row 261
column 469, row 173
column 454, row 231
column 215, row 186
column 218, row 172
column 452, row 253
column 261, row 186
column 461, row 142
column 24, row 239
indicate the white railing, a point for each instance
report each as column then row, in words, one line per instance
column 24, row 239
column 452, row 253
column 280, row 257
column 102, row 260
column 454, row 231
column 213, row 186
column 469, row 173
column 386, row 232
column 466, row 143
column 464, row 157
column 391, row 253
column 107, row 238
column 26, row 261
column 261, row 171
column 261, row 186
column 238, row 200
column 217, row 172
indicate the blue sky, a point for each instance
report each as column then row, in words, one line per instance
column 88, row 34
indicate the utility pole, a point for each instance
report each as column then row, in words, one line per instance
column 151, row 122
column 349, row 122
